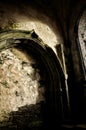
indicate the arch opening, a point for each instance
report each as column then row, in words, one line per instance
column 37, row 59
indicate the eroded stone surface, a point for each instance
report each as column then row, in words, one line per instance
column 19, row 82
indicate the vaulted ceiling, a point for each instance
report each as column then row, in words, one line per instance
column 65, row 12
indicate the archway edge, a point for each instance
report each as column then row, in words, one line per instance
column 51, row 62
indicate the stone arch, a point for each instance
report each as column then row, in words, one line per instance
column 55, row 89
column 78, row 76
column 80, row 39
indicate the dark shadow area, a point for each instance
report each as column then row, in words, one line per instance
column 30, row 117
